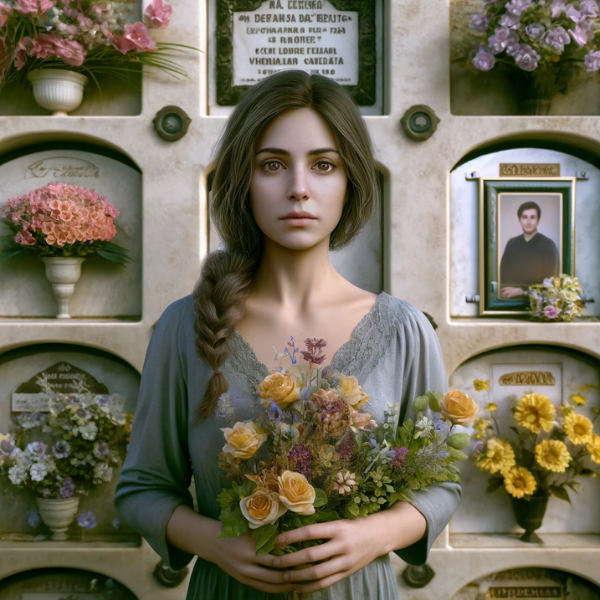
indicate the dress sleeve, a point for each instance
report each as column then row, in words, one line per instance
column 156, row 474
column 425, row 371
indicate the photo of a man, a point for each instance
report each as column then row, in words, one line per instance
column 530, row 257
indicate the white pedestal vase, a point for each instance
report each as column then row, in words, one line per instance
column 63, row 273
column 58, row 514
column 57, row 90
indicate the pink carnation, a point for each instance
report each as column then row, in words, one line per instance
column 551, row 312
column 70, row 51
column 158, row 14
column 21, row 52
column 136, row 37
column 33, row 6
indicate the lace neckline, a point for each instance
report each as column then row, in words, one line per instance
column 245, row 363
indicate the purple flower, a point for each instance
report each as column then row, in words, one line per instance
column 38, row 449
column 497, row 42
column 86, row 520
column 101, row 450
column 61, row 449
column 274, row 413
column 551, row 312
column 581, row 33
column 517, row 7
column 397, row 457
column 513, row 46
column 315, row 355
column 509, row 20
column 572, row 12
column 556, row 38
column 557, row 7
column 7, row 445
column 68, row 488
column 477, row 446
column 479, row 22
column 527, row 58
column 301, row 460
column 442, row 427
column 484, row 60
column 592, row 61
column 589, row 8
column 34, row 519
column 346, row 447
column 535, row 30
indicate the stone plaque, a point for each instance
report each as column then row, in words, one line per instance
column 59, row 167
column 519, row 379
column 256, row 38
column 544, row 592
column 529, row 170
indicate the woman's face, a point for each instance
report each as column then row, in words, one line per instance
column 298, row 184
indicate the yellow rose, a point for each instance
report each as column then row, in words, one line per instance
column 458, row 408
column 243, row 440
column 296, row 493
column 353, row 394
column 261, row 507
column 481, row 385
column 279, row 387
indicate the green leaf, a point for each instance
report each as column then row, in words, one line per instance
column 493, row 484
column 353, row 510
column 265, row 537
column 327, row 514
column 234, row 523
column 420, row 403
column 458, row 440
column 10, row 253
column 588, row 473
column 560, row 492
column 320, row 498
column 457, row 455
column 406, row 432
column 434, row 401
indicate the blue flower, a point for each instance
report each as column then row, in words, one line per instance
column 86, row 520
column 34, row 519
column 274, row 413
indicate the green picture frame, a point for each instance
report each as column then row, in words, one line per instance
column 364, row 92
column 558, row 195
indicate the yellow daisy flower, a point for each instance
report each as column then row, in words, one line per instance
column 492, row 407
column 519, row 482
column 579, row 399
column 552, row 455
column 481, row 385
column 578, row 428
column 535, row 412
column 497, row 457
column 593, row 447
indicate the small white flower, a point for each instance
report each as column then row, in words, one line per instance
column 346, row 482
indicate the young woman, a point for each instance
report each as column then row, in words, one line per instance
column 293, row 178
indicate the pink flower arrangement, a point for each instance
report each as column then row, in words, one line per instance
column 60, row 219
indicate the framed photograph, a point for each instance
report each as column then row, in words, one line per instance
column 526, row 233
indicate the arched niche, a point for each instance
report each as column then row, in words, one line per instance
column 362, row 262
column 19, row 370
column 480, row 513
column 105, row 290
column 529, row 582
column 465, row 218
column 61, row 583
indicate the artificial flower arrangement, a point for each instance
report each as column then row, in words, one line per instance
column 550, row 450
column 314, row 456
column 87, row 37
column 71, row 449
column 61, row 220
column 556, row 299
column 549, row 40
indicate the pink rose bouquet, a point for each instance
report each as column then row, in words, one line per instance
column 82, row 36
column 60, row 219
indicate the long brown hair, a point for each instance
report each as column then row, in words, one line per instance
column 225, row 278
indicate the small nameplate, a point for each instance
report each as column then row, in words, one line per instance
column 543, row 592
column 527, row 378
column 529, row 170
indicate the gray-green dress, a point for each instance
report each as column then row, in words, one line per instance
column 393, row 352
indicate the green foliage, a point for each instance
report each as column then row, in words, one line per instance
column 420, row 403
column 457, row 455
column 405, row 433
column 458, row 441
column 560, row 492
column 320, row 498
column 265, row 537
column 434, row 401
column 234, row 523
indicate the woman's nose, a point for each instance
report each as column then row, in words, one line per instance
column 298, row 185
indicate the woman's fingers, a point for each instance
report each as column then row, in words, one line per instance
column 318, row 572
column 306, row 556
column 320, row 531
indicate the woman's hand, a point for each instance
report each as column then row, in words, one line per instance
column 350, row 546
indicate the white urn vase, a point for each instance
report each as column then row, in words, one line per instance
column 58, row 514
column 58, row 90
column 63, row 273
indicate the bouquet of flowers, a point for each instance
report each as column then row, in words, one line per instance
column 549, row 452
column 551, row 40
column 315, row 456
column 68, row 451
column 83, row 36
column 557, row 299
column 60, row 219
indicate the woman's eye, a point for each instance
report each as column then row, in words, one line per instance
column 325, row 166
column 272, row 165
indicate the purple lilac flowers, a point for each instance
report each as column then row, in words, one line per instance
column 592, row 61
column 68, row 488
column 86, row 520
column 484, row 60
column 301, row 460
column 527, row 58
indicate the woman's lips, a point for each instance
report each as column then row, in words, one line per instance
column 299, row 221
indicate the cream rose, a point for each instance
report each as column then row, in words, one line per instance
column 296, row 494
column 360, row 420
column 261, row 507
column 279, row 387
column 458, row 408
column 243, row 440
column 354, row 395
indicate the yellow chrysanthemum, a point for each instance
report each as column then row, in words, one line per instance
column 481, row 385
column 552, row 455
column 519, row 482
column 491, row 407
column 497, row 456
column 579, row 400
column 578, row 428
column 535, row 412
column 593, row 447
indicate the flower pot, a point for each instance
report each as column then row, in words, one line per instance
column 58, row 514
column 535, row 106
column 63, row 273
column 529, row 515
column 57, row 90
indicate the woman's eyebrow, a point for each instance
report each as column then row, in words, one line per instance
column 286, row 153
